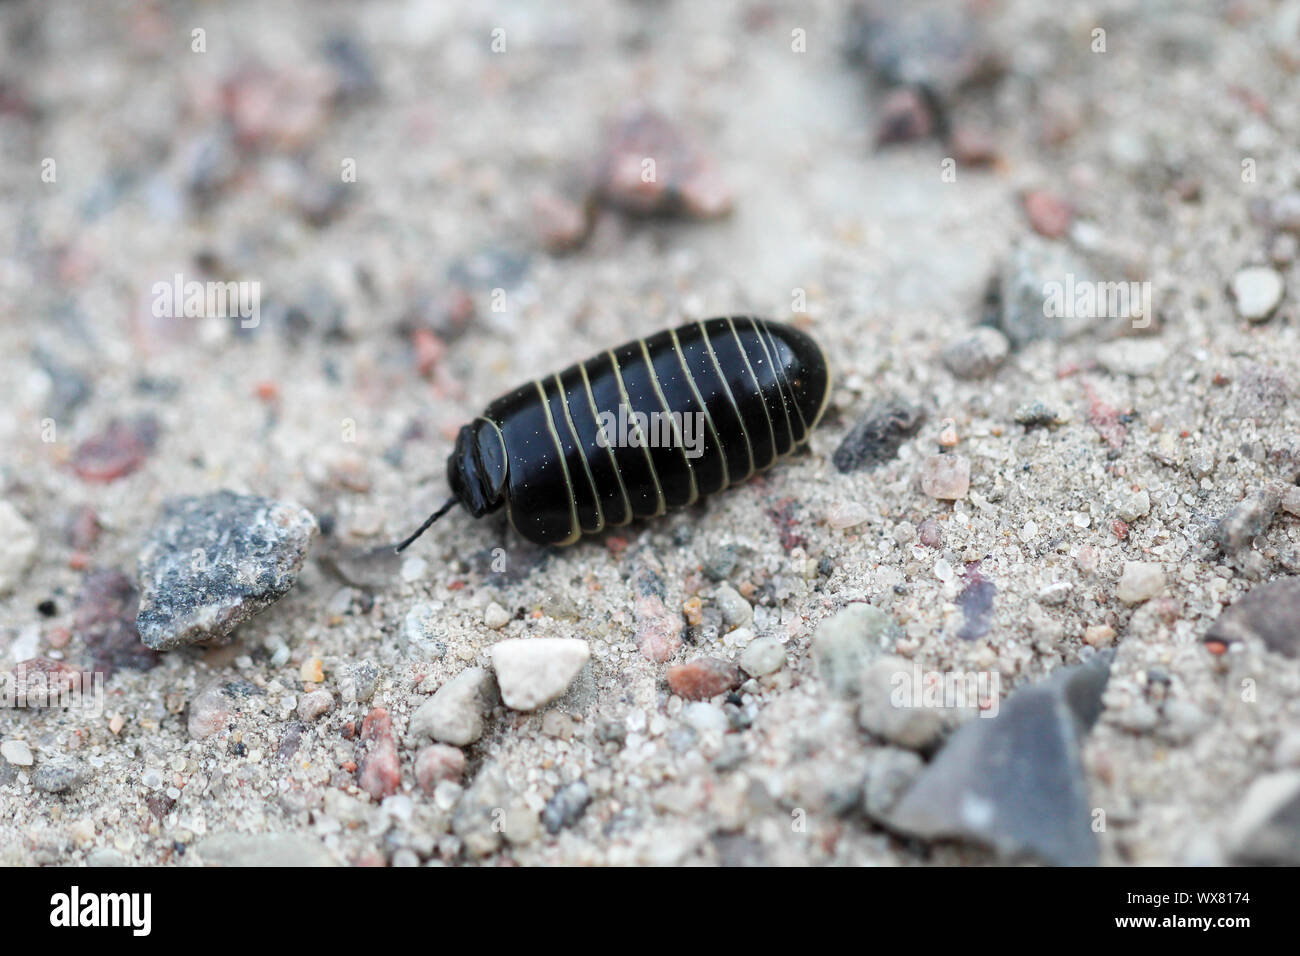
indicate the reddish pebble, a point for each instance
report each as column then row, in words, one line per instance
column 905, row 117
column 703, row 678
column 930, row 534
column 1120, row 528
column 380, row 771
column 437, row 763
column 973, row 147
column 562, row 224
column 118, row 450
column 82, row 528
column 267, row 392
column 429, row 351
column 1048, row 213
column 105, row 623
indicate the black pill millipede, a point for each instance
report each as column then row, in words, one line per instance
column 754, row 388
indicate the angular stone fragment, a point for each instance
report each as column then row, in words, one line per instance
column 1266, row 829
column 1015, row 782
column 532, row 672
column 214, row 561
column 1269, row 613
column 454, row 715
column 877, row 437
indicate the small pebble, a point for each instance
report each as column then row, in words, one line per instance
column 1049, row 213
column 703, row 678
column 495, row 616
column 705, row 718
column 978, row 354
column 847, row 514
column 1099, row 635
column 58, row 777
column 763, row 655
column 1133, row 505
column 736, row 611
column 315, row 704
column 1140, row 581
column 17, row 753
column 1248, row 520
column 18, row 544
column 913, row 726
column 846, row 642
column 436, row 763
column 532, row 672
column 946, row 477
column 566, row 807
column 455, row 714
column 1257, row 292
column 212, row 562
column 876, row 438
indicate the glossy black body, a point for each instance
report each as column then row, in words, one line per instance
column 756, row 387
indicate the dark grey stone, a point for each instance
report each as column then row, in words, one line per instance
column 1269, row 613
column 878, row 436
column 1015, row 782
column 214, row 561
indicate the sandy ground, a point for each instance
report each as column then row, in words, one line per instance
column 347, row 394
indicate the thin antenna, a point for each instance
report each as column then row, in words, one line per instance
column 447, row 506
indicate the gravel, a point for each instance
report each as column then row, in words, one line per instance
column 384, row 328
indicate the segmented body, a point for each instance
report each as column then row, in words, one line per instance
column 754, row 389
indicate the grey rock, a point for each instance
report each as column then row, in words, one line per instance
column 847, row 642
column 58, row 776
column 762, row 655
column 263, row 849
column 890, row 772
column 475, row 818
column 1033, row 413
column 1269, row 613
column 212, row 562
column 454, row 715
column 908, row 723
column 357, row 685
column 736, row 611
column 422, row 632
column 1248, row 520
column 721, row 563
column 876, row 438
column 1015, row 782
column 1022, row 286
column 1266, row 828
column 976, row 354
column 566, row 807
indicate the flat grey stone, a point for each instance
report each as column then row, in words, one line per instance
column 1015, row 782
